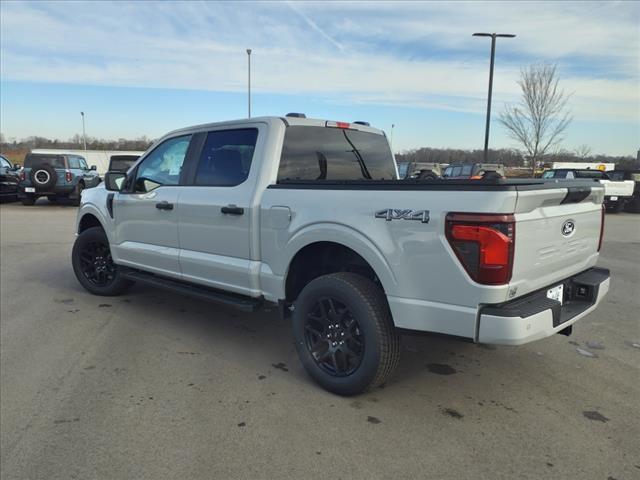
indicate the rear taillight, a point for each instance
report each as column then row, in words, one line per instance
column 68, row 176
column 484, row 244
column 601, row 228
column 22, row 175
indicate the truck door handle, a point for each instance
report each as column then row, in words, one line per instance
column 232, row 210
column 164, row 205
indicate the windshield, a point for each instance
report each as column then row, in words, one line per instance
column 325, row 153
column 37, row 160
column 458, row 170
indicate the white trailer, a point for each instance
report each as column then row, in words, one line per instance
column 603, row 167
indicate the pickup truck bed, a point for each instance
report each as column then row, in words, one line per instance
column 426, row 286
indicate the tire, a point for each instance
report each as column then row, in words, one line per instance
column 633, row 205
column 491, row 175
column 43, row 178
column 427, row 175
column 76, row 201
column 28, row 201
column 94, row 267
column 614, row 207
column 363, row 322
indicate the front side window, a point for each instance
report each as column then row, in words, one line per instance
column 163, row 165
column 83, row 163
column 324, row 153
column 4, row 162
column 226, row 157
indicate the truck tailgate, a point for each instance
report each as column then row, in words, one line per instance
column 621, row 188
column 557, row 235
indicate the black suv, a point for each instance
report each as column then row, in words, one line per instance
column 9, row 180
column 55, row 177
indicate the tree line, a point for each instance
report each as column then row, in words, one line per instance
column 74, row 143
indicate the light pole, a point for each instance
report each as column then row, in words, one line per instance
column 391, row 139
column 493, row 54
column 249, row 80
column 84, row 135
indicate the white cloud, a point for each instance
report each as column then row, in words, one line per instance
column 358, row 52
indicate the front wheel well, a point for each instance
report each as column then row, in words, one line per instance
column 322, row 258
column 87, row 221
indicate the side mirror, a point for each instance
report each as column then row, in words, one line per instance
column 113, row 181
column 17, row 166
column 93, row 167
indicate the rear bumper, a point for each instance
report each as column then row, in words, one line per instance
column 535, row 316
column 57, row 190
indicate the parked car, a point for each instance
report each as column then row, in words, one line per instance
column 55, row 177
column 616, row 192
column 309, row 214
column 9, row 180
column 121, row 163
column 474, row 171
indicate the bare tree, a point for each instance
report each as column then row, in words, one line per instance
column 583, row 151
column 539, row 120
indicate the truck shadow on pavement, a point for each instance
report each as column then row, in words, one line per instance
column 265, row 340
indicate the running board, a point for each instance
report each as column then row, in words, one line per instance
column 239, row 302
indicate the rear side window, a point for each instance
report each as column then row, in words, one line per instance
column 226, row 157
column 74, row 162
column 36, row 160
column 590, row 174
column 321, row 153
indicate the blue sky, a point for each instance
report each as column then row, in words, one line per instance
column 146, row 68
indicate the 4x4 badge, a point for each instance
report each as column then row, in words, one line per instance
column 397, row 214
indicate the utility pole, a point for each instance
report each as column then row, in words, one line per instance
column 84, row 135
column 493, row 54
column 391, row 139
column 249, row 80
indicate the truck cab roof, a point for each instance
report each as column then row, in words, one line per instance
column 273, row 120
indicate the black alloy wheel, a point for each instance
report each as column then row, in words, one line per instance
column 333, row 337
column 96, row 263
column 94, row 266
column 344, row 334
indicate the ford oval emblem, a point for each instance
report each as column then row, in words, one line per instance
column 568, row 228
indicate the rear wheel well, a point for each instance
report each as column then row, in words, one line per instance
column 88, row 221
column 323, row 258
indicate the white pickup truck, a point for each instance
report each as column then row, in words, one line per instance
column 309, row 214
column 616, row 192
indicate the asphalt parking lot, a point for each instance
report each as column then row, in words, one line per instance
column 152, row 385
